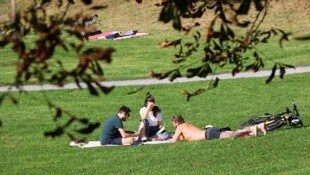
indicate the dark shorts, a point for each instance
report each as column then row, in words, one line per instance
column 213, row 133
column 112, row 141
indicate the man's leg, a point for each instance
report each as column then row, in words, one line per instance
column 242, row 132
column 234, row 134
column 226, row 135
column 128, row 141
column 253, row 130
column 118, row 141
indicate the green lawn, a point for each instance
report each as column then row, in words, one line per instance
column 24, row 149
column 135, row 58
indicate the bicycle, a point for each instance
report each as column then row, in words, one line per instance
column 272, row 122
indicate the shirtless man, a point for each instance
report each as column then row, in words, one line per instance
column 189, row 132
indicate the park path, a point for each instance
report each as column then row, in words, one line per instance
column 264, row 73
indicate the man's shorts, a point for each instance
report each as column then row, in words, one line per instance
column 112, row 141
column 213, row 133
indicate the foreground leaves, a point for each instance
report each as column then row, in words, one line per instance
column 221, row 45
column 36, row 61
column 65, row 127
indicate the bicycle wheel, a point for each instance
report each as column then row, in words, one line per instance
column 301, row 124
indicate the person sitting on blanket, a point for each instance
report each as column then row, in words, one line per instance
column 151, row 119
column 156, row 132
column 113, row 130
column 189, row 132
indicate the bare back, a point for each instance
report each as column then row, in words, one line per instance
column 188, row 132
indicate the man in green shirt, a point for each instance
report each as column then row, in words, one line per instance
column 113, row 130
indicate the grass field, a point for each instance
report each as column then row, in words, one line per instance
column 25, row 150
column 135, row 58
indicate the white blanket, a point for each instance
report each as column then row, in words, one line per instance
column 92, row 144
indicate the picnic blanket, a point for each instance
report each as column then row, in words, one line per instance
column 115, row 35
column 92, row 144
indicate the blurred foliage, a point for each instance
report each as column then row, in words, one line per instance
column 221, row 46
column 36, row 61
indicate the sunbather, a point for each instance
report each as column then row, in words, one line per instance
column 189, row 132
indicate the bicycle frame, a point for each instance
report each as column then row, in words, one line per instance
column 291, row 118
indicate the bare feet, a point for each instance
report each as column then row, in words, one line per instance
column 262, row 128
column 254, row 130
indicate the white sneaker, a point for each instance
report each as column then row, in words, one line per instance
column 73, row 143
column 208, row 126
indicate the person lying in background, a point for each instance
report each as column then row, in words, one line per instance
column 189, row 132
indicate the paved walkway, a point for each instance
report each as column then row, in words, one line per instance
column 266, row 73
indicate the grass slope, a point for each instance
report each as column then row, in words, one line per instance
column 135, row 58
column 24, row 150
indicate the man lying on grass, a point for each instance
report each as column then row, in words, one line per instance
column 189, row 132
column 113, row 132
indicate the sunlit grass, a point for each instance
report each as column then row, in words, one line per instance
column 24, row 149
column 135, row 58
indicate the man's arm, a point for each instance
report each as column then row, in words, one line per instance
column 125, row 134
column 176, row 135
